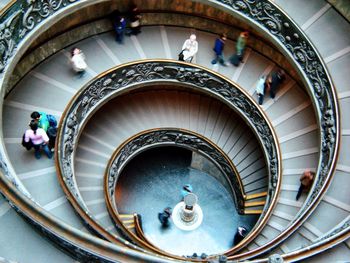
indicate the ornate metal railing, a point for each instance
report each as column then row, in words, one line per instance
column 130, row 76
column 167, row 137
column 173, row 137
column 23, row 18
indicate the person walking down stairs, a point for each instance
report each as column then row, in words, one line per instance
column 219, row 50
column 78, row 61
column 189, row 48
column 241, row 43
column 306, row 181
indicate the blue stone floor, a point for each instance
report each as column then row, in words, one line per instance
column 153, row 181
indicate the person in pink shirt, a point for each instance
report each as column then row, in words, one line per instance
column 39, row 139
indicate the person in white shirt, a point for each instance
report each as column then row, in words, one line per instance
column 78, row 61
column 190, row 48
column 260, row 89
column 39, row 139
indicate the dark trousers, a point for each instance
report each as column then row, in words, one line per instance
column 300, row 191
column 119, row 36
column 260, row 99
column 219, row 58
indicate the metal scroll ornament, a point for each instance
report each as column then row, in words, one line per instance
column 178, row 138
column 20, row 19
column 305, row 56
column 102, row 89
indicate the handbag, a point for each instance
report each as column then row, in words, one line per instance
column 27, row 145
column 181, row 55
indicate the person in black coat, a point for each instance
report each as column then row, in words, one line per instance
column 274, row 81
column 240, row 235
column 135, row 23
column 164, row 217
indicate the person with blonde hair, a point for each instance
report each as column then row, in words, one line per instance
column 190, row 48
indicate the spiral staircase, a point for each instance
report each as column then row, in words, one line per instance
column 36, row 76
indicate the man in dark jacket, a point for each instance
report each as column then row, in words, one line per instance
column 164, row 217
column 274, row 81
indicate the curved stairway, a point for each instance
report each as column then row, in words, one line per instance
column 291, row 114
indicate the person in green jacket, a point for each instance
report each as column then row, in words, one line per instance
column 41, row 119
column 241, row 44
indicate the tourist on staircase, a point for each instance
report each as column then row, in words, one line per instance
column 39, row 139
column 135, row 20
column 306, row 181
column 78, row 61
column 119, row 25
column 219, row 49
column 48, row 123
column 236, row 58
column 260, row 89
column 274, row 81
column 189, row 49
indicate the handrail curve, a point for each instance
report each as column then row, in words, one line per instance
column 121, row 79
column 166, row 137
column 285, row 34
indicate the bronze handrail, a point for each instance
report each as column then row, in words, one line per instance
column 285, row 34
column 129, row 76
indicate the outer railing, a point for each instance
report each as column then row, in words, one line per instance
column 23, row 17
column 130, row 76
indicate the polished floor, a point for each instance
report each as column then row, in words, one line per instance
column 153, row 181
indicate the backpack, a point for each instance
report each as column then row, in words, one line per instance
column 52, row 120
column 27, row 145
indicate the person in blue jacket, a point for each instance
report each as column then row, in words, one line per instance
column 186, row 189
column 219, row 49
column 119, row 25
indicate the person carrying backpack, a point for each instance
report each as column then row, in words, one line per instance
column 48, row 123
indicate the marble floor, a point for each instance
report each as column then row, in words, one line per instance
column 153, row 181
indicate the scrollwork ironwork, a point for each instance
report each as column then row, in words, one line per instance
column 178, row 138
column 20, row 19
column 121, row 79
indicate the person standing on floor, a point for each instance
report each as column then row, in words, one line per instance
column 135, row 20
column 164, row 217
column 78, row 61
column 240, row 235
column 260, row 89
column 190, row 48
column 274, row 81
column 186, row 189
column 219, row 49
column 306, row 180
column 39, row 139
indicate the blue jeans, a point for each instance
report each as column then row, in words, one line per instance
column 119, row 36
column 220, row 59
column 43, row 146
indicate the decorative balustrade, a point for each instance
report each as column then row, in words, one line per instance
column 22, row 18
column 130, row 76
